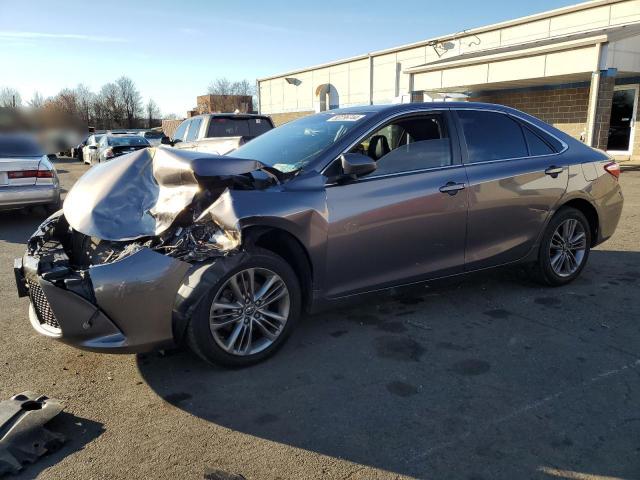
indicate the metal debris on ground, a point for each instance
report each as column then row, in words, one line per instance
column 23, row 438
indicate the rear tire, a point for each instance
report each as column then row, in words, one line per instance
column 564, row 248
column 211, row 343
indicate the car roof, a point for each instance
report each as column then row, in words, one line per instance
column 400, row 107
column 122, row 135
column 231, row 115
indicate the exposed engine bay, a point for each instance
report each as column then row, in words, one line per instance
column 158, row 199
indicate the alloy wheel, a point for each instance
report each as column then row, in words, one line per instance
column 249, row 311
column 568, row 247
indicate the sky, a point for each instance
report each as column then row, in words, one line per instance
column 174, row 49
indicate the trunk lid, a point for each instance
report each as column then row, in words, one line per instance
column 122, row 149
column 18, row 171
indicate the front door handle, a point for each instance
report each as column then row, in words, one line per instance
column 452, row 188
column 554, row 171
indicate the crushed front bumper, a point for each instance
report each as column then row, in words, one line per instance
column 120, row 307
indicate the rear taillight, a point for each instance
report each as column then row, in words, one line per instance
column 30, row 174
column 613, row 168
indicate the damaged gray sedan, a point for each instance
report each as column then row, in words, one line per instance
column 162, row 247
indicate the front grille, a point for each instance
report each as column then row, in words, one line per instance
column 41, row 306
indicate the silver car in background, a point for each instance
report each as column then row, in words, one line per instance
column 27, row 176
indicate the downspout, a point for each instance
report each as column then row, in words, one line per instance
column 258, row 96
column 370, row 79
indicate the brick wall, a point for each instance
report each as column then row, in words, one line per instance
column 564, row 108
column 281, row 118
column 603, row 112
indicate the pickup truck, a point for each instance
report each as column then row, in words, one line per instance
column 219, row 133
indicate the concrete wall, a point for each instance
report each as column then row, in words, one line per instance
column 350, row 78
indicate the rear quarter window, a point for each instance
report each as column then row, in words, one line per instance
column 537, row 146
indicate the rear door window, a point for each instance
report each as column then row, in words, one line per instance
column 194, row 128
column 491, row 136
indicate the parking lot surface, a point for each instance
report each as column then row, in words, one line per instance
column 486, row 377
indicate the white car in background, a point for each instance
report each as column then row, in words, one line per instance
column 90, row 150
column 27, row 176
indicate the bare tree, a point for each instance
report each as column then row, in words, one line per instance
column 130, row 99
column 228, row 92
column 171, row 116
column 223, row 86
column 67, row 102
column 220, row 86
column 10, row 97
column 153, row 112
column 99, row 113
column 84, row 98
column 244, row 87
column 37, row 101
column 111, row 101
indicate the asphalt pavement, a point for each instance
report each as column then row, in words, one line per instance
column 487, row 377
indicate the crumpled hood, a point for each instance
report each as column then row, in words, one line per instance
column 141, row 194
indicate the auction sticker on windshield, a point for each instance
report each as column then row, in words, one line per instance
column 345, row 117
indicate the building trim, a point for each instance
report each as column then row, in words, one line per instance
column 453, row 36
column 516, row 51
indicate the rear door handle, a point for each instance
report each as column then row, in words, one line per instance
column 452, row 188
column 554, row 171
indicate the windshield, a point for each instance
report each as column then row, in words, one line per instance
column 19, row 146
column 124, row 141
column 294, row 145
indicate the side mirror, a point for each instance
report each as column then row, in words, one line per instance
column 356, row 165
column 165, row 140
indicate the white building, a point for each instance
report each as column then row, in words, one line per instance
column 577, row 68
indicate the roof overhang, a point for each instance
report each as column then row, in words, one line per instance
column 455, row 36
column 539, row 47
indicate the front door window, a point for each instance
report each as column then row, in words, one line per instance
column 622, row 119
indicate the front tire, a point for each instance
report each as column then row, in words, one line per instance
column 564, row 249
column 247, row 315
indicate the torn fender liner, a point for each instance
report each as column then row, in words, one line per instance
column 22, row 435
column 141, row 194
